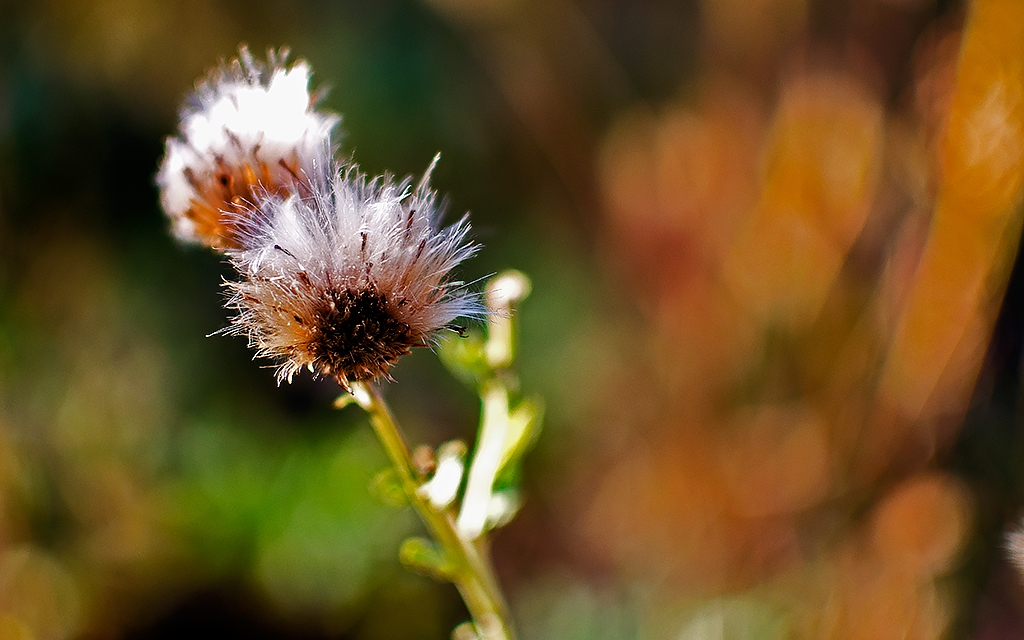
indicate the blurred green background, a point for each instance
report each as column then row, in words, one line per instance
column 721, row 205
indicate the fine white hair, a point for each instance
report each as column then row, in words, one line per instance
column 347, row 280
column 247, row 122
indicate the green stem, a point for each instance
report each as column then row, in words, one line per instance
column 473, row 575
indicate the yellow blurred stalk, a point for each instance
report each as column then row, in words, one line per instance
column 948, row 316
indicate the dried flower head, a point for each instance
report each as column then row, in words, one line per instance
column 350, row 279
column 249, row 129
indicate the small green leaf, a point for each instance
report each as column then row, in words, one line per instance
column 465, row 631
column 420, row 555
column 387, row 487
column 465, row 357
column 443, row 487
column 504, row 506
column 344, row 400
column 524, row 422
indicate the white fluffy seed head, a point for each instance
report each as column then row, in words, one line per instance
column 249, row 129
column 347, row 280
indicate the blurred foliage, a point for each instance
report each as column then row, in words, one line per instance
column 769, row 243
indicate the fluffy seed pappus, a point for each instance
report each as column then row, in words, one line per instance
column 349, row 280
column 250, row 128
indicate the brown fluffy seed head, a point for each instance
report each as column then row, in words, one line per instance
column 347, row 281
column 248, row 130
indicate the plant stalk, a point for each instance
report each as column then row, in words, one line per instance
column 472, row 575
